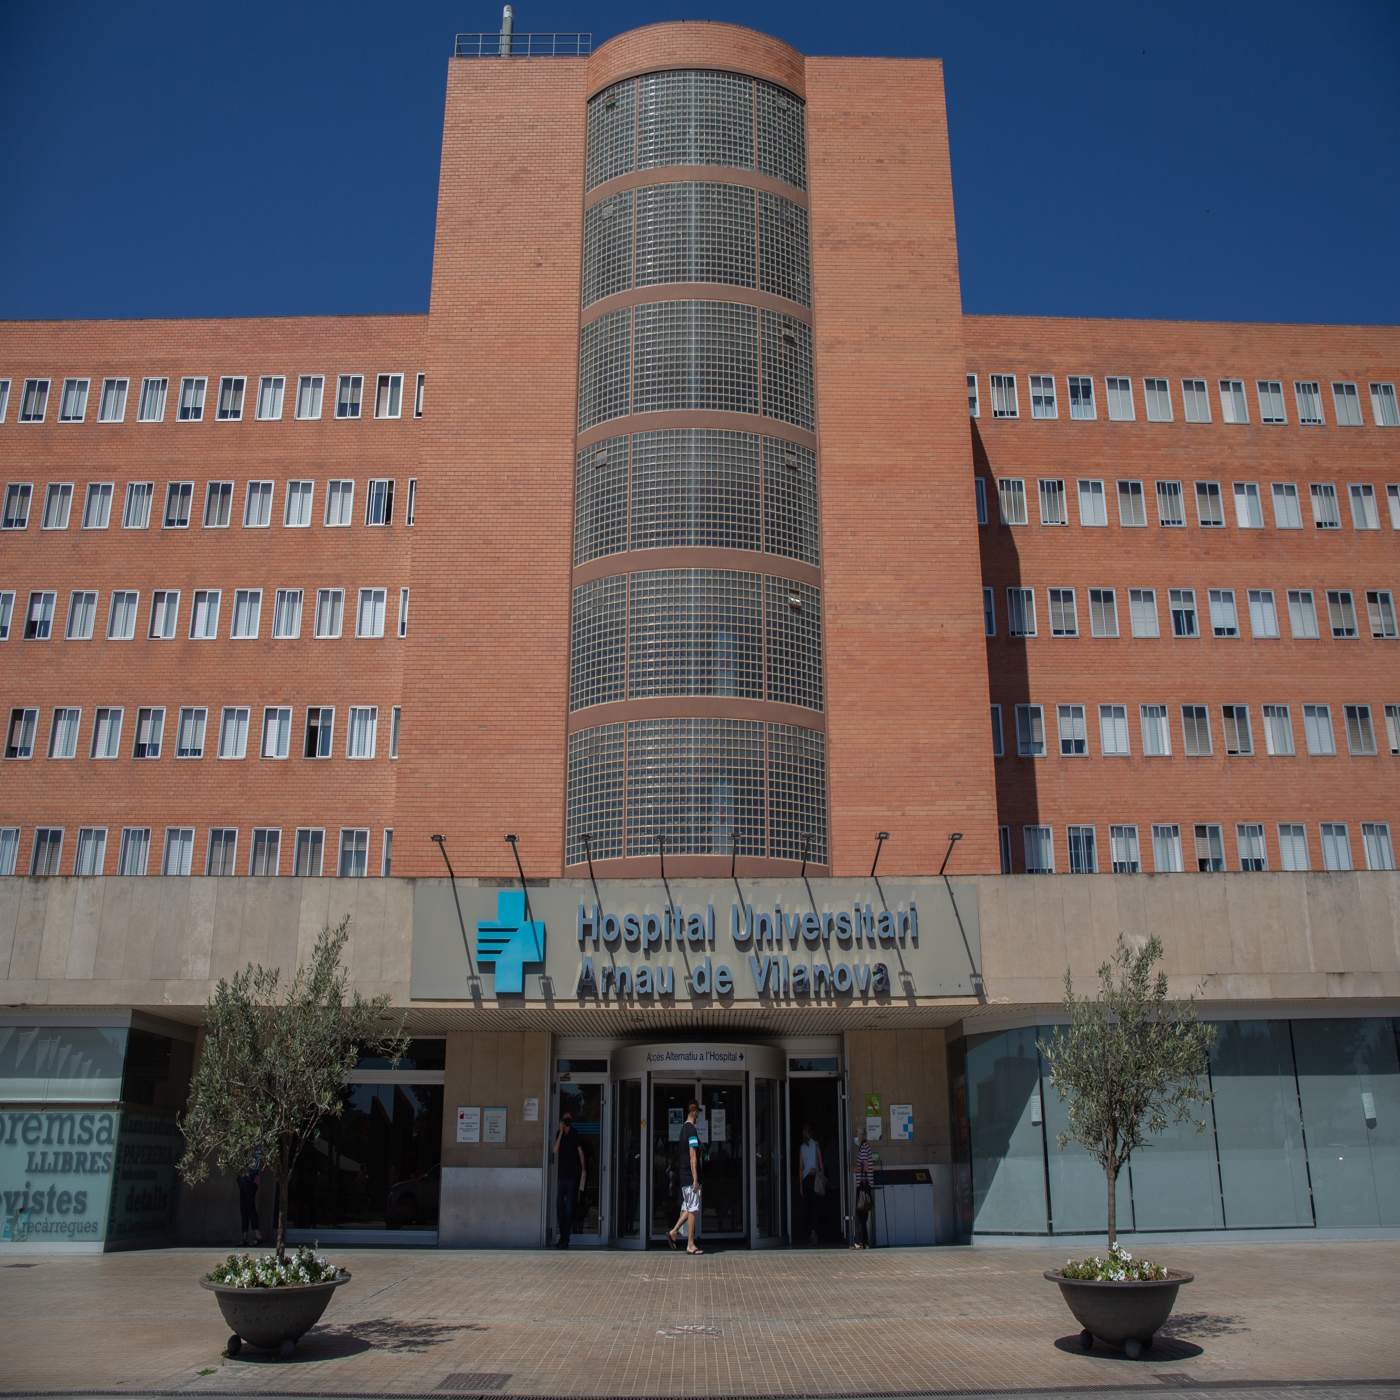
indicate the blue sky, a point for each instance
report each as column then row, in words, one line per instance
column 1231, row 162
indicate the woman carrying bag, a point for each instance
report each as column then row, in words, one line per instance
column 865, row 1191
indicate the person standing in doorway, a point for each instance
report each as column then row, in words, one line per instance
column 865, row 1191
column 811, row 1181
column 248, row 1181
column 690, row 1158
column 570, row 1173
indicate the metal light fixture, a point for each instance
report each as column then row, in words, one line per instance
column 880, row 838
column 953, row 838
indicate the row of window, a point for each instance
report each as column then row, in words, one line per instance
column 1155, row 731
column 235, row 724
column 1171, row 504
column 163, row 619
column 177, row 851
column 1194, row 396
column 259, row 500
column 229, row 404
column 1224, row 615
column 1125, row 854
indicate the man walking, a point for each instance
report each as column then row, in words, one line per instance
column 689, row 1162
column 571, row 1171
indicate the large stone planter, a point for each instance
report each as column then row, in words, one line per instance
column 1124, row 1315
column 272, row 1318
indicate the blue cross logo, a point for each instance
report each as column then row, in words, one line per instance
column 509, row 941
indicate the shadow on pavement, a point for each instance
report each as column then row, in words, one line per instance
column 1164, row 1348
column 331, row 1343
column 1201, row 1324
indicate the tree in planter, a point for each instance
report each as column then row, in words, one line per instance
column 274, row 1065
column 1129, row 1062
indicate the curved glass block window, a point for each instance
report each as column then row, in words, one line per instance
column 695, row 487
column 787, row 369
column 694, row 118
column 594, row 805
column 785, row 264
column 604, row 364
column 796, row 793
column 695, row 232
column 696, row 354
column 793, row 622
column 600, row 500
column 597, row 641
column 790, row 500
column 607, row 247
column 612, row 133
column 782, row 137
column 696, row 782
column 695, row 632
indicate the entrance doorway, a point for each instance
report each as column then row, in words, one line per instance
column 815, row 1103
column 722, row 1124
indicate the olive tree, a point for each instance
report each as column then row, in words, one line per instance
column 1129, row 1062
column 274, row 1065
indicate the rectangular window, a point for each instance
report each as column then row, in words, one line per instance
column 1317, row 730
column 979, row 496
column 1278, row 731
column 17, row 497
column 189, row 733
column 191, row 406
column 1074, row 732
column 218, row 505
column 1270, row 393
column 165, row 614
column 1103, row 612
column 1003, row 843
column 34, row 401
column 1142, row 609
column 1287, row 514
column 361, row 729
column 97, row 505
column 19, row 738
column 330, row 609
column 1195, row 731
column 1113, row 731
column 1210, row 506
column 4, row 406
column 369, row 616
column 1039, row 850
column 134, row 853
column 1392, row 497
column 204, row 615
column 1326, row 513
column 1020, row 612
column 58, row 505
column 106, row 732
column 1064, row 613
column 973, row 407
column 1156, row 733
column 1224, row 621
column 320, row 729
column 63, row 733
column 396, row 715
column 150, row 732
column 1166, row 849
column 178, row 495
column 386, row 858
column 388, row 396
column 257, row 505
column 1043, row 403
column 1302, row 614
column 1341, row 613
column 72, row 404
column 1081, row 397
column 1361, row 733
column 309, row 854
column 1083, row 850
column 266, row 856
column 1392, row 728
column 1123, row 850
column 247, row 613
column 340, row 500
column 1132, row 505
column 271, row 388
column 1030, row 731
column 1380, row 854
column 1233, row 408
column 354, row 853
column 47, row 856
column 1380, row 608
column 1249, row 510
column 151, row 409
column 1011, row 497
column 310, row 390
column 1183, row 610
column 1052, row 502
column 1364, row 514
column 1239, row 739
column 38, row 621
column 233, row 732
column 1346, row 405
column 379, row 502
column 121, row 615
column 989, row 612
column 1263, row 615
column 286, row 614
column 231, row 389
column 1171, row 509
column 1336, row 846
column 82, row 614
column 1210, row 847
column 998, row 739
column 1249, row 837
column 1293, row 847
column 277, row 731
column 1157, row 395
column 297, row 513
column 347, row 397
column 7, row 611
column 1093, row 508
column 1004, row 396
column 1120, row 399
column 111, row 407
column 1195, row 400
column 136, row 508
column 1307, row 396
column 223, row 844
column 1384, row 411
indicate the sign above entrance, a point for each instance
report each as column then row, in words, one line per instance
column 696, row 1057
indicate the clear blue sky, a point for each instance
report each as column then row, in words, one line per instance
column 1239, row 161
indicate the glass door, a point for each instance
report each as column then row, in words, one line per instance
column 723, row 1129
column 768, row 1139
column 627, row 1162
column 585, row 1100
column 668, row 1105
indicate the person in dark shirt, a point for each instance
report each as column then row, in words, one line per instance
column 690, row 1161
column 571, row 1171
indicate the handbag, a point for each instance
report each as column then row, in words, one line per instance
column 819, row 1183
column 863, row 1202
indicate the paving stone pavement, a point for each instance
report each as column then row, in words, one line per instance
column 1263, row 1318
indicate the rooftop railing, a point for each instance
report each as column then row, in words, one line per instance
column 522, row 45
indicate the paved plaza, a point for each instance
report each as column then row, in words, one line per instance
column 1263, row 1316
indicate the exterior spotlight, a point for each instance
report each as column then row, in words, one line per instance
column 880, row 838
column 439, row 839
column 953, row 838
column 515, row 850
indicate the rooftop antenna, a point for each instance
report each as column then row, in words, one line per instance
column 507, row 25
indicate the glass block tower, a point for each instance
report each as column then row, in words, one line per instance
column 696, row 690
